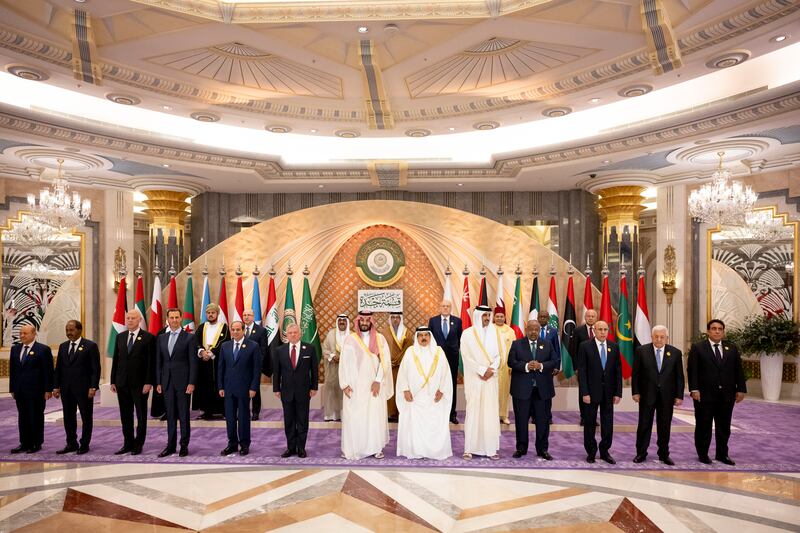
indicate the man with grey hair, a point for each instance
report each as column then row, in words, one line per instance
column 657, row 386
column 31, row 385
column 446, row 331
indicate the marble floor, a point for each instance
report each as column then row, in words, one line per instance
column 36, row 496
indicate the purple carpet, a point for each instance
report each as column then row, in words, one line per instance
column 761, row 441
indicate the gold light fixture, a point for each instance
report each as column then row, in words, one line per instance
column 669, row 273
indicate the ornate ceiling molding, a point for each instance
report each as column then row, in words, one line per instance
column 388, row 174
column 663, row 50
column 242, row 65
column 15, row 120
column 490, row 63
column 379, row 114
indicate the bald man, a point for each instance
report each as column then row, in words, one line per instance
column 446, row 331
column 31, row 385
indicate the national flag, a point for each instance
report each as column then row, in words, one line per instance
column 118, row 320
column 238, row 301
column 642, row 321
column 501, row 302
column 466, row 320
column 288, row 308
column 624, row 330
column 483, row 298
column 552, row 306
column 172, row 296
column 588, row 302
column 156, row 321
column 256, row 302
column 534, row 312
column 308, row 320
column 271, row 316
column 206, row 299
column 567, row 330
column 448, row 290
column 517, row 323
column 138, row 302
column 188, row 307
column 605, row 309
column 223, row 301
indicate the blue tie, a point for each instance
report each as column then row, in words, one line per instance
column 445, row 327
column 603, row 354
column 173, row 338
column 130, row 341
column 543, row 334
column 235, row 351
column 658, row 358
column 24, row 354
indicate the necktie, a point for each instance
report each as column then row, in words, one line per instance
column 591, row 332
column 130, row 342
column 533, row 349
column 236, row 352
column 542, row 334
column 24, row 354
column 247, row 332
column 603, row 354
column 72, row 352
column 658, row 358
column 717, row 353
column 294, row 356
column 173, row 338
column 445, row 327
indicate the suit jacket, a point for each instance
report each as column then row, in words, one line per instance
column 593, row 380
column 34, row 375
column 652, row 385
column 715, row 381
column 239, row 376
column 180, row 369
column 258, row 335
column 452, row 344
column 579, row 335
column 135, row 369
column 295, row 383
column 521, row 381
column 551, row 336
column 82, row 374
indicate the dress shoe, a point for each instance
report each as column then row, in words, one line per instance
column 517, row 454
column 505, row 421
column 163, row 418
column 244, row 451
column 184, row 451
column 302, row 454
column 706, row 460
column 166, row 451
column 136, row 450
column 590, row 458
column 229, row 450
column 34, row 449
column 124, row 449
column 287, row 453
column 640, row 457
column 546, row 456
column 726, row 460
column 581, row 422
column 454, row 419
column 667, row 461
column 67, row 449
column 379, row 455
column 607, row 458
column 19, row 449
column 82, row 450
column 254, row 417
column 392, row 419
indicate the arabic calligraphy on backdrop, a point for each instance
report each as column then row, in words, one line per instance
column 380, row 301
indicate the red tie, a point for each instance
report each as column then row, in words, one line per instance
column 591, row 332
column 294, row 356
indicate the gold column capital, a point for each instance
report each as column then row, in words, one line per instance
column 166, row 209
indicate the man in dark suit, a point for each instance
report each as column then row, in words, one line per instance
column 600, row 382
column 176, row 375
column 581, row 334
column 657, row 386
column 31, row 385
column 132, row 377
column 295, row 382
column 239, row 376
column 532, row 362
column 258, row 336
column 77, row 377
column 549, row 334
column 716, row 383
column 446, row 330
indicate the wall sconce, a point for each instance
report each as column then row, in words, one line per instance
column 119, row 266
column 669, row 273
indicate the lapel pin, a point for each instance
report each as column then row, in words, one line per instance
column 243, row 345
column 139, row 338
column 727, row 348
column 31, row 354
column 80, row 348
column 541, row 346
column 669, row 353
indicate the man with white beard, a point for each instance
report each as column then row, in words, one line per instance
column 365, row 377
column 480, row 350
column 424, row 390
column 331, row 351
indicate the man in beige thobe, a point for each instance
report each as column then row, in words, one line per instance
column 399, row 340
column 507, row 336
column 331, row 351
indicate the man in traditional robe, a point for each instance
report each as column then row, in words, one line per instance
column 480, row 350
column 365, row 376
column 399, row 340
column 331, row 352
column 507, row 336
column 446, row 330
column 210, row 336
column 424, row 389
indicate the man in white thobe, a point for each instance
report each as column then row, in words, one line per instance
column 365, row 376
column 424, row 391
column 480, row 351
column 331, row 351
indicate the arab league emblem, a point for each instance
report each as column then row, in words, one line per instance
column 380, row 262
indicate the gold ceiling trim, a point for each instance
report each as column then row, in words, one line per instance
column 379, row 114
column 662, row 48
column 388, row 174
column 84, row 51
column 288, row 11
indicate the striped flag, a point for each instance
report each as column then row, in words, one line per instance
column 118, row 320
column 642, row 332
column 138, row 302
column 271, row 316
column 223, row 301
column 624, row 329
column 206, row 299
column 534, row 312
column 517, row 323
column 588, row 303
column 156, row 321
column 552, row 308
column 256, row 302
column 567, row 331
column 238, row 301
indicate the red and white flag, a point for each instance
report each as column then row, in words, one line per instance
column 500, row 301
column 156, row 321
column 588, row 303
column 642, row 331
column 238, row 301
column 223, row 301
column 466, row 321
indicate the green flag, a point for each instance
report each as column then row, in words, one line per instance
column 308, row 320
column 624, row 331
column 288, row 308
column 188, row 307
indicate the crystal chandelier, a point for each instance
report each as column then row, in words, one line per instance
column 57, row 208
column 766, row 227
column 30, row 233
column 722, row 202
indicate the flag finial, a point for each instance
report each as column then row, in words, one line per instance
column 271, row 270
column 256, row 272
column 306, row 272
column 518, row 270
column 499, row 270
column 447, row 270
column 238, row 270
column 222, row 270
column 483, row 270
column 466, row 270
column 139, row 270
column 171, row 270
column 588, row 270
column 536, row 270
column 289, row 271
